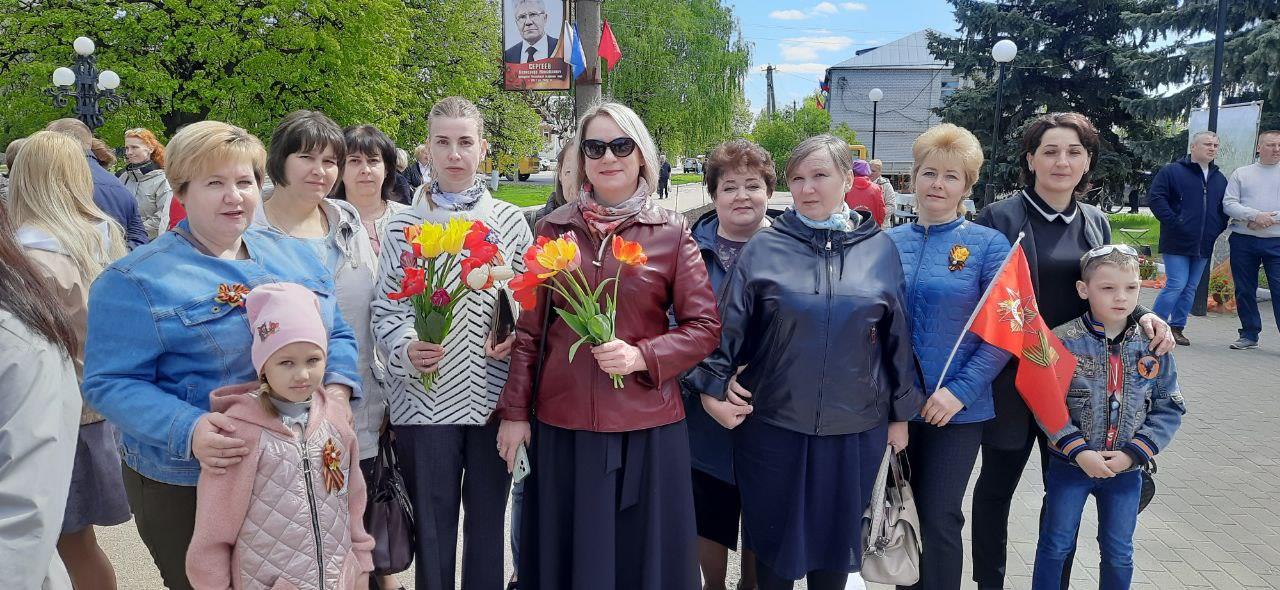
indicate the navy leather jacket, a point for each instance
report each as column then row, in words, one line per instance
column 948, row 268
column 818, row 319
column 1189, row 207
column 711, row 448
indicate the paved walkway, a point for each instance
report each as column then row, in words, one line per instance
column 1213, row 524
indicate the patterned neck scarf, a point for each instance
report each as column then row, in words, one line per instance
column 463, row 201
column 603, row 219
column 841, row 220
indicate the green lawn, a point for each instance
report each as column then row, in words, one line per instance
column 523, row 194
column 1135, row 221
column 685, row 179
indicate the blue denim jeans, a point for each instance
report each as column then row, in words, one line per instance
column 1066, row 489
column 1174, row 301
column 1247, row 253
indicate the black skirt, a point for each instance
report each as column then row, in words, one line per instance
column 609, row 511
column 803, row 495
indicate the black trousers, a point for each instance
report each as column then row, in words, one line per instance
column 165, row 515
column 445, row 467
column 662, row 188
column 992, row 496
column 941, row 462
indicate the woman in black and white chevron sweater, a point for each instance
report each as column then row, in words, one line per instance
column 444, row 434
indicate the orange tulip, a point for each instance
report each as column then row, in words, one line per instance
column 630, row 253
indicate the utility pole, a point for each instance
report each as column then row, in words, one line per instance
column 587, row 88
column 1201, row 305
column 770, row 105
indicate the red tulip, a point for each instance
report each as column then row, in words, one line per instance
column 440, row 298
column 414, row 282
column 524, row 288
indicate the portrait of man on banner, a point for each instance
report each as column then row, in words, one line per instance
column 534, row 58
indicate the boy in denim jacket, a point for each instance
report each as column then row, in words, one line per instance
column 1125, row 406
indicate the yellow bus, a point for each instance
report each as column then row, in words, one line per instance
column 858, row 151
column 523, row 167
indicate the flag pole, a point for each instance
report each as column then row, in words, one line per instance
column 972, row 316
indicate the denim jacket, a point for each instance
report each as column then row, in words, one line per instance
column 1151, row 407
column 948, row 267
column 161, row 338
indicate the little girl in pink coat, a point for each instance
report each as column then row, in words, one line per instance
column 287, row 516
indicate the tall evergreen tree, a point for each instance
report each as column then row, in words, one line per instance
column 1068, row 54
column 1179, row 40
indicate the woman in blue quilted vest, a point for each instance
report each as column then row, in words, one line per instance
column 947, row 262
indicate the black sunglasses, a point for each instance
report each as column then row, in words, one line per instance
column 621, row 147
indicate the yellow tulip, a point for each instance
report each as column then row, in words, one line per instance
column 454, row 235
column 557, row 255
column 429, row 238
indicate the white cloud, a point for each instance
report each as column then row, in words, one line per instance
column 788, row 15
column 825, row 8
column 852, row 6
column 806, row 49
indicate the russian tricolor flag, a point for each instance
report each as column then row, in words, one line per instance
column 577, row 58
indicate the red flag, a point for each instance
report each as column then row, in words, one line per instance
column 1009, row 318
column 609, row 50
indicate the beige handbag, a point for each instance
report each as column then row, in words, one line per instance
column 891, row 528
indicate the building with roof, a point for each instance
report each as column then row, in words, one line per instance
column 913, row 81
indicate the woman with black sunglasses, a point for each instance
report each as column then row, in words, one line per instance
column 609, row 503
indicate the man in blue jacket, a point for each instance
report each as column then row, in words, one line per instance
column 109, row 194
column 1186, row 196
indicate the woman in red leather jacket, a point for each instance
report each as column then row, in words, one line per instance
column 609, row 503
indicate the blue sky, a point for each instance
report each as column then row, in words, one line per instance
column 804, row 37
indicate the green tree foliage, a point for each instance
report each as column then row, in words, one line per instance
column 782, row 132
column 383, row 62
column 1069, row 59
column 183, row 61
column 1178, row 54
column 683, row 68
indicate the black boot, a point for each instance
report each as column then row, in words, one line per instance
column 1179, row 337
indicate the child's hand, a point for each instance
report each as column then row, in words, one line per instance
column 1094, row 464
column 1117, row 461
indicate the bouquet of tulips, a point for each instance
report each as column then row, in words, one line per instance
column 436, row 250
column 556, row 265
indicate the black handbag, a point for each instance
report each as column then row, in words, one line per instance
column 388, row 517
column 1148, row 485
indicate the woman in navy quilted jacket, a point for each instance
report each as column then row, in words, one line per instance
column 948, row 263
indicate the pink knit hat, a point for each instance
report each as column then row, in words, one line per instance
column 281, row 314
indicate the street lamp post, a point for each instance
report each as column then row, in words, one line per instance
column 1003, row 52
column 93, row 91
column 875, row 95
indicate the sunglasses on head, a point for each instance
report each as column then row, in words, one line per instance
column 1101, row 251
column 621, row 147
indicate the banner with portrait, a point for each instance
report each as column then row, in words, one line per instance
column 533, row 56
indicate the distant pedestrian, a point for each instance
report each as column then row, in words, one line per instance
column 886, row 188
column 144, row 177
column 664, row 177
column 108, row 192
column 1253, row 203
column 1186, row 196
column 865, row 195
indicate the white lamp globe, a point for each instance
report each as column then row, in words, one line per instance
column 83, row 46
column 109, row 80
column 875, row 95
column 1004, row 51
column 64, row 77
